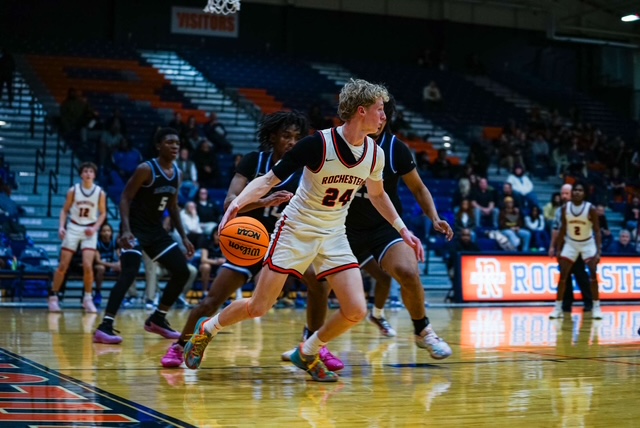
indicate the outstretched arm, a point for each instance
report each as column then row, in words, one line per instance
column 425, row 200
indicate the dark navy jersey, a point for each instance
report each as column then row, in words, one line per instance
column 257, row 164
column 398, row 162
column 108, row 251
column 151, row 200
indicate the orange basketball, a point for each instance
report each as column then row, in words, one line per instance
column 244, row 241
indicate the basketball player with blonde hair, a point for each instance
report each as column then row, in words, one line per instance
column 79, row 224
column 311, row 230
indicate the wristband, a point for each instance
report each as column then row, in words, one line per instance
column 398, row 224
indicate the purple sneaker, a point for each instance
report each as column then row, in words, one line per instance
column 106, row 334
column 161, row 327
column 332, row 362
column 174, row 356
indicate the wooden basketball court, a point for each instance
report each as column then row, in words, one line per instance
column 511, row 366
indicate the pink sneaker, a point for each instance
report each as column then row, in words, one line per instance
column 174, row 356
column 332, row 362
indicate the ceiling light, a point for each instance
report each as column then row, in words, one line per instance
column 630, row 18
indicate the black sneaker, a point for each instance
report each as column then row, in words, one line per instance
column 383, row 325
column 160, row 325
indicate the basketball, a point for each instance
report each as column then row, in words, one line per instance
column 244, row 241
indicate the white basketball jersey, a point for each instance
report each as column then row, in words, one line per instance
column 84, row 210
column 323, row 196
column 579, row 227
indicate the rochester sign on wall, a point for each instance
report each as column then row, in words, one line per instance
column 192, row 20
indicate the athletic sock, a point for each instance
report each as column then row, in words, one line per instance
column 378, row 313
column 420, row 325
column 212, row 325
column 312, row 345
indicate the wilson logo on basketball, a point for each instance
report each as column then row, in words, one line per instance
column 246, row 251
column 248, row 233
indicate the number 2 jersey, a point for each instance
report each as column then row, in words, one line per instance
column 256, row 164
column 579, row 226
column 331, row 177
column 148, row 204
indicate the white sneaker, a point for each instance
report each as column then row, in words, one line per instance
column 286, row 356
column 557, row 313
column 54, row 304
column 596, row 313
column 437, row 347
column 87, row 304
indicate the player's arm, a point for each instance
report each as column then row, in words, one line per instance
column 425, row 200
column 176, row 219
column 142, row 175
column 102, row 207
column 64, row 212
column 562, row 232
column 380, row 200
column 239, row 182
column 250, row 194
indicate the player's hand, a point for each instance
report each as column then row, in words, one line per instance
column 189, row 246
column 413, row 241
column 277, row 198
column 62, row 232
column 126, row 240
column 552, row 251
column 443, row 227
column 229, row 215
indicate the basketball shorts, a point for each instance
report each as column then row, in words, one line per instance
column 154, row 242
column 76, row 236
column 372, row 243
column 572, row 249
column 248, row 271
column 295, row 245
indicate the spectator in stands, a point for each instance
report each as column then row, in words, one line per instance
column 623, row 245
column 607, row 237
column 522, row 185
column 535, row 223
column 110, row 140
column 124, row 161
column 116, row 118
column 75, row 116
column 560, row 159
column 7, row 68
column 178, row 124
column 208, row 211
column 550, row 209
column 463, row 243
column 479, row 157
column 540, row 154
column 189, row 174
column 191, row 223
column 192, row 135
column 512, row 226
column 616, row 186
column 465, row 219
column 216, row 133
column 210, row 260
column 518, row 200
column 441, row 167
column 632, row 213
column 483, row 200
column 431, row 97
column 206, row 165
column 106, row 260
column 317, row 120
column 509, row 153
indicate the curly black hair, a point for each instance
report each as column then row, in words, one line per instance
column 274, row 122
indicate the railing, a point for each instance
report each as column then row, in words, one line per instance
column 53, row 188
column 41, row 156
